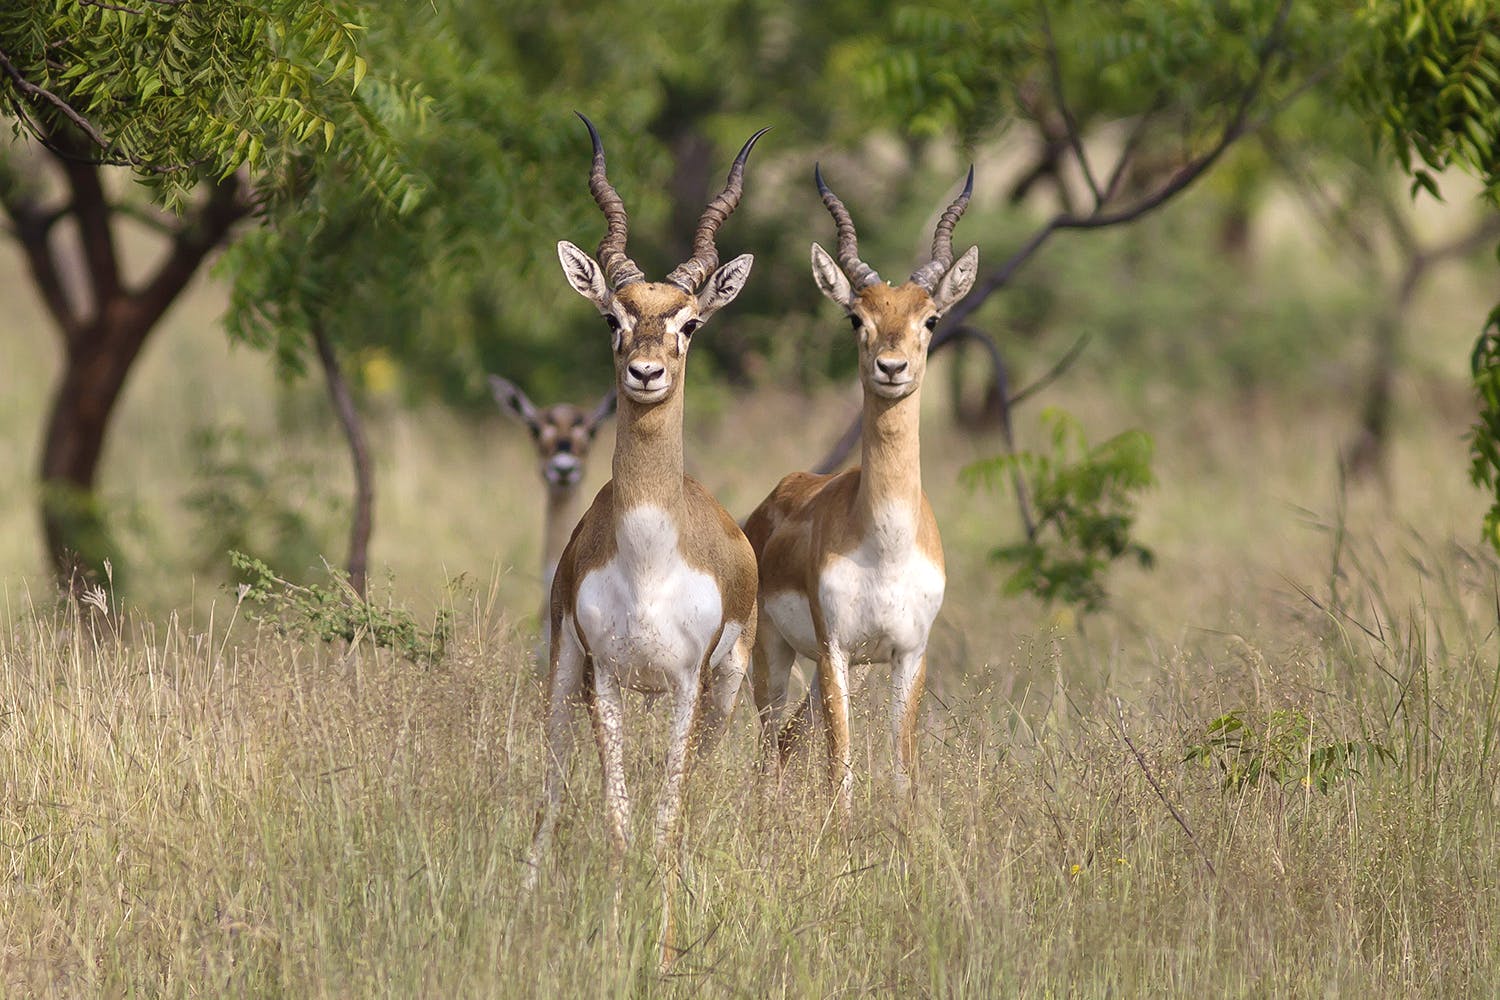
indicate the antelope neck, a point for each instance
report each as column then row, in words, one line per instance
column 648, row 454
column 891, row 462
column 562, row 515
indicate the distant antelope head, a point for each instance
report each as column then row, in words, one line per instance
column 894, row 323
column 562, row 433
column 652, row 323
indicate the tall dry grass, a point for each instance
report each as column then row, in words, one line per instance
column 225, row 812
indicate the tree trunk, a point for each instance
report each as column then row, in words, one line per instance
column 102, row 335
column 97, row 361
column 362, row 522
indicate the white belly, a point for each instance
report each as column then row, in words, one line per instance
column 877, row 601
column 646, row 615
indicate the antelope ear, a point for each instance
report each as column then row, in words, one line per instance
column 583, row 274
column 830, row 278
column 723, row 285
column 956, row 283
column 603, row 411
column 513, row 401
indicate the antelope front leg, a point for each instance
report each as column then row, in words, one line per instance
column 833, row 684
column 908, row 680
column 668, row 833
column 565, row 682
column 607, row 711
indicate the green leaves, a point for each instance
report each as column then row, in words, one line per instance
column 1280, row 747
column 1084, row 501
column 1432, row 74
column 336, row 613
column 183, row 92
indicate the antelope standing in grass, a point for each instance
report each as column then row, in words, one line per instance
column 655, row 591
column 562, row 435
column 851, row 564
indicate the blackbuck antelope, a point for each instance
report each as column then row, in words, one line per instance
column 562, row 435
column 851, row 564
column 655, row 591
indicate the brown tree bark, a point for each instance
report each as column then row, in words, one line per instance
column 102, row 336
column 359, row 452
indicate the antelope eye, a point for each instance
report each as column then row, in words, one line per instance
column 932, row 322
column 855, row 322
column 609, row 318
column 689, row 327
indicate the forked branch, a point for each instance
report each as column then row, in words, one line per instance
column 1101, row 216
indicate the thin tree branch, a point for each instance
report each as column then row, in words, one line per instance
column 1127, row 152
column 1075, row 139
column 1052, row 374
column 200, row 233
column 1007, row 429
column 1156, row 787
column 33, row 230
column 1238, row 125
column 92, row 210
column 359, row 452
column 842, row 448
column 43, row 96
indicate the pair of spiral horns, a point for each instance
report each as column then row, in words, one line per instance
column 620, row 270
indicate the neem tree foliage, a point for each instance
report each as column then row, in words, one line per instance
column 214, row 109
column 1434, row 80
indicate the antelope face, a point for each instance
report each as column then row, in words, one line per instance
column 894, row 327
column 894, row 324
column 562, row 433
column 651, row 326
column 562, row 438
column 651, row 323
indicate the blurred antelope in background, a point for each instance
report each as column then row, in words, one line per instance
column 562, row 435
column 851, row 564
column 655, row 592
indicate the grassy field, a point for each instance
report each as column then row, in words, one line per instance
column 194, row 805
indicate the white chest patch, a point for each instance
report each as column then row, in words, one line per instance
column 878, row 601
column 647, row 615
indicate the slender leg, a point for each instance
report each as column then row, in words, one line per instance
column 724, row 683
column 908, row 679
column 668, row 833
column 772, row 669
column 607, row 711
column 566, row 679
column 833, row 683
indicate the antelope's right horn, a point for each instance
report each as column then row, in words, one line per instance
column 860, row 274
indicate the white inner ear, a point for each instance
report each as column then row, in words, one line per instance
column 830, row 278
column 723, row 285
column 956, row 283
column 584, row 274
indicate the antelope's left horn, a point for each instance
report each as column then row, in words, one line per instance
column 692, row 272
column 942, row 239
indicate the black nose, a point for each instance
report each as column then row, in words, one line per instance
column 645, row 373
column 890, row 367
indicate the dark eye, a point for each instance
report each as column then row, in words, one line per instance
column 689, row 327
column 609, row 318
column 855, row 322
column 932, row 322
